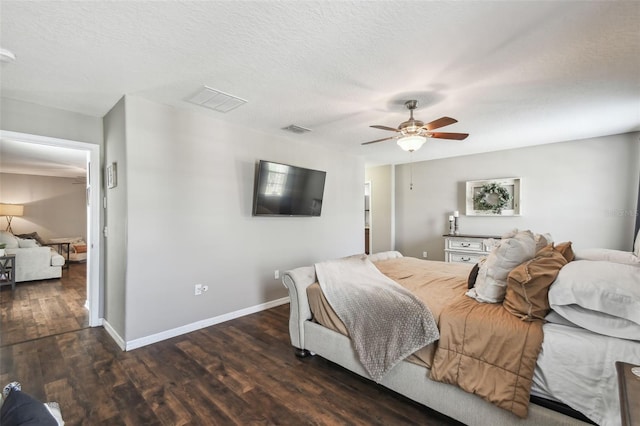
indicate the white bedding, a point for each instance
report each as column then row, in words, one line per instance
column 601, row 296
column 579, row 370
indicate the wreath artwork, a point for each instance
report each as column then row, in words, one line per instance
column 492, row 197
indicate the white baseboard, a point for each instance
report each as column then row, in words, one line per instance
column 114, row 334
column 168, row 334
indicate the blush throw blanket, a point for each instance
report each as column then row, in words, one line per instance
column 386, row 322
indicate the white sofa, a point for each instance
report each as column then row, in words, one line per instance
column 32, row 262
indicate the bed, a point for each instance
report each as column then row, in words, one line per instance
column 574, row 380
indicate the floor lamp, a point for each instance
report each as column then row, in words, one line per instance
column 11, row 210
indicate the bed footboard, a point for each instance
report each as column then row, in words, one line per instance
column 296, row 281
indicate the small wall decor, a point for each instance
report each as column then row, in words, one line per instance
column 493, row 197
column 112, row 175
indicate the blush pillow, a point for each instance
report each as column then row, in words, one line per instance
column 566, row 250
column 491, row 283
column 528, row 285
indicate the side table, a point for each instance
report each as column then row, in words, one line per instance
column 629, row 389
column 59, row 248
column 8, row 270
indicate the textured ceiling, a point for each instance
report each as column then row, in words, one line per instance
column 513, row 73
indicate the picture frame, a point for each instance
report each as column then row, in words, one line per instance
column 112, row 175
column 486, row 197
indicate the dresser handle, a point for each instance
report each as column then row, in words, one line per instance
column 465, row 259
column 465, row 244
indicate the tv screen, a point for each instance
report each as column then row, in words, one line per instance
column 285, row 190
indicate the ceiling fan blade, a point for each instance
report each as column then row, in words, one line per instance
column 378, row 140
column 385, row 128
column 456, row 136
column 440, row 122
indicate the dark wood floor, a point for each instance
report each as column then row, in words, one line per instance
column 241, row 372
column 44, row 308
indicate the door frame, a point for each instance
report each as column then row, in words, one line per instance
column 94, row 190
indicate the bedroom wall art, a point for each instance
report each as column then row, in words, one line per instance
column 112, row 175
column 493, row 197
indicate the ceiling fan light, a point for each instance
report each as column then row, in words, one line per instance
column 411, row 143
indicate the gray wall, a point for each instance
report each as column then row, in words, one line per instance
column 53, row 207
column 381, row 204
column 33, row 119
column 115, row 219
column 581, row 191
column 189, row 196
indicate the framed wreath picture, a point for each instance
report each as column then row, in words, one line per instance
column 493, row 197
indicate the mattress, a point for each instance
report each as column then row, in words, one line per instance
column 576, row 367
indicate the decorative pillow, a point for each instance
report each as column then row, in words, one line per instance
column 27, row 243
column 473, row 275
column 491, row 282
column 566, row 250
column 542, row 240
column 8, row 239
column 80, row 248
column 608, row 255
column 32, row 236
column 601, row 296
column 528, row 285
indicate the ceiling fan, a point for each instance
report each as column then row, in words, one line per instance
column 413, row 133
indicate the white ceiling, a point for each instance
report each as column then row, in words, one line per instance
column 512, row 73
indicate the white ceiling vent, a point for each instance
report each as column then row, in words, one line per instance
column 296, row 129
column 216, row 100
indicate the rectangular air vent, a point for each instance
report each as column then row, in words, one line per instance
column 216, row 100
column 296, row 129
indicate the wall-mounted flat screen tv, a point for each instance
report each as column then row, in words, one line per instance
column 285, row 190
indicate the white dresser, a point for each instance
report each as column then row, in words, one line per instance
column 465, row 248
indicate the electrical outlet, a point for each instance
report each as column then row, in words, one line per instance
column 276, row 274
column 424, row 254
column 198, row 290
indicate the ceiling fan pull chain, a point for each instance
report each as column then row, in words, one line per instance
column 411, row 172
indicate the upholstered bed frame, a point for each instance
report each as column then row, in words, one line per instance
column 406, row 378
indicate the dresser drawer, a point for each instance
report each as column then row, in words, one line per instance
column 465, row 245
column 464, row 257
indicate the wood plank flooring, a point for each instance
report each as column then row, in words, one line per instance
column 241, row 372
column 44, row 308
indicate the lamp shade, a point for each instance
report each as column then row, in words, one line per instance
column 11, row 210
column 411, row 143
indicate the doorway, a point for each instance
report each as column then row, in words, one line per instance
column 93, row 190
column 367, row 217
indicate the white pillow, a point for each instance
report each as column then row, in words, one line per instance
column 601, row 296
column 9, row 239
column 608, row 255
column 491, row 283
column 27, row 243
